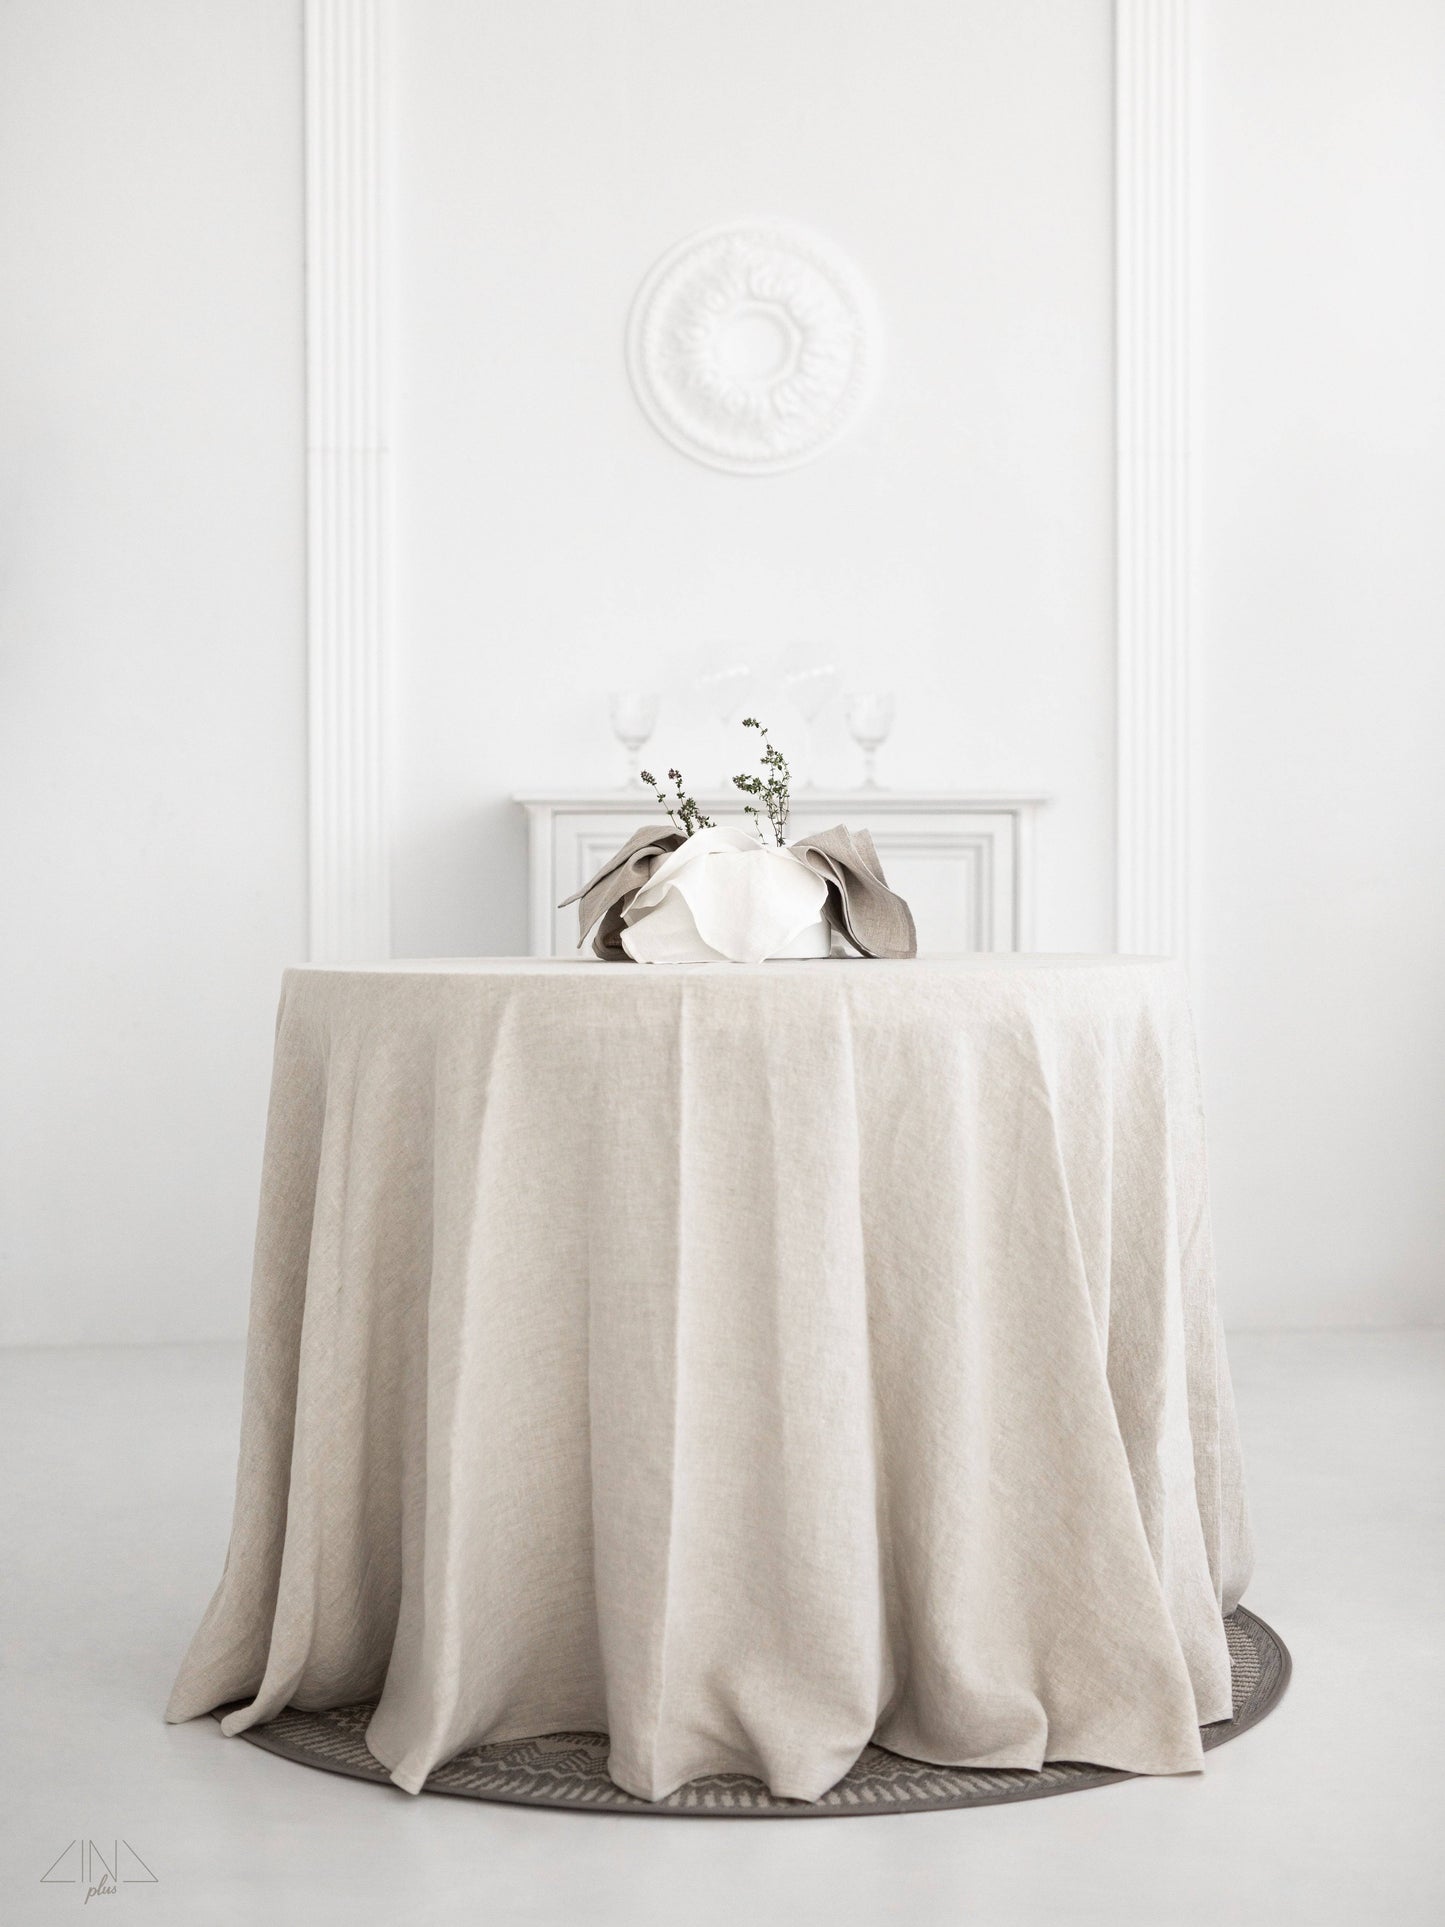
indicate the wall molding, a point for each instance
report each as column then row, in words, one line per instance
column 349, row 518
column 1156, row 334
column 826, row 323
column 348, row 506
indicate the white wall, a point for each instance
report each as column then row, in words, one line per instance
column 1324, row 479
column 152, row 812
column 151, row 673
column 958, row 546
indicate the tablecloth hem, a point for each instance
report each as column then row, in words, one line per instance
column 412, row 1780
column 808, row 1790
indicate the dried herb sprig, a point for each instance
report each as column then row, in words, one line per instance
column 771, row 788
column 687, row 817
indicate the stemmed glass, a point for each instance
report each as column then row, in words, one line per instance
column 634, row 717
column 811, row 689
column 870, row 717
column 730, row 692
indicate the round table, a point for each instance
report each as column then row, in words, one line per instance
column 745, row 1361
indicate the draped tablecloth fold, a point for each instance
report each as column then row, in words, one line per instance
column 745, row 1361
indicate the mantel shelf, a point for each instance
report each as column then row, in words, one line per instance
column 621, row 801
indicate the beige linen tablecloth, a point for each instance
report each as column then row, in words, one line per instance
column 748, row 1362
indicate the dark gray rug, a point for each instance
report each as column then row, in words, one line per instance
column 570, row 1769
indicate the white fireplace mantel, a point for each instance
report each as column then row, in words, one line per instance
column 963, row 859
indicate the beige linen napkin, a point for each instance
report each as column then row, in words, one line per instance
column 860, row 906
column 603, row 900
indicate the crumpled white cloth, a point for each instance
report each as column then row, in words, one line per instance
column 723, row 896
column 745, row 1361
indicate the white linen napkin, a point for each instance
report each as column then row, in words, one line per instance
column 723, row 897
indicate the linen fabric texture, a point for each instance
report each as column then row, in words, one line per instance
column 859, row 906
column 746, row 1361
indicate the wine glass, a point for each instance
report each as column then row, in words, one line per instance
column 634, row 717
column 870, row 717
column 810, row 689
column 729, row 692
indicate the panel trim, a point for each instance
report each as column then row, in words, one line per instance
column 348, row 507
column 1156, row 332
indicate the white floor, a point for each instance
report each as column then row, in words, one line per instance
column 116, row 1500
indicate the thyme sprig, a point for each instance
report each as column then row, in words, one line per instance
column 770, row 791
column 771, row 788
column 687, row 817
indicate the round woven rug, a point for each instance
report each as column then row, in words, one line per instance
column 570, row 1769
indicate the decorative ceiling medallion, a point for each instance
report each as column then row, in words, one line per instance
column 752, row 346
